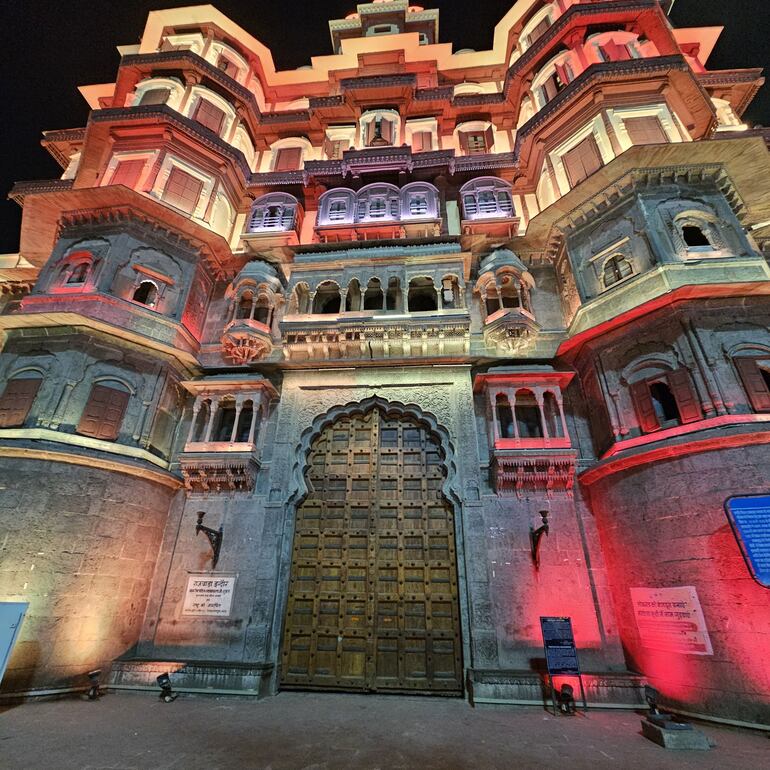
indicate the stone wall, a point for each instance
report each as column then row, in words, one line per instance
column 80, row 545
column 664, row 525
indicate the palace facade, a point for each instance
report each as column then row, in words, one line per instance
column 296, row 364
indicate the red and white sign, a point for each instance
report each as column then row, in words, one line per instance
column 671, row 619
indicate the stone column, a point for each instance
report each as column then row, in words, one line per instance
column 196, row 408
column 214, row 405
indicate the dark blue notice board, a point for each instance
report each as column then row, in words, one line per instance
column 559, row 642
column 750, row 520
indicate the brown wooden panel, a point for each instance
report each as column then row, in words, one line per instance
column 373, row 593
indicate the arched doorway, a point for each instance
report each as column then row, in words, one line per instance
column 372, row 602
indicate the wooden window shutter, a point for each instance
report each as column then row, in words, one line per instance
column 288, row 159
column 17, row 400
column 182, row 190
column 754, row 383
column 422, row 141
column 334, row 148
column 582, row 161
column 387, row 129
column 463, row 136
column 127, row 173
column 539, row 30
column 686, row 399
column 103, row 414
column 489, row 139
column 563, row 73
column 645, row 409
column 155, row 96
column 209, row 116
column 646, row 130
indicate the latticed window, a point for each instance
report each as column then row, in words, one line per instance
column 182, row 190
column 273, row 212
column 487, row 198
column 616, row 268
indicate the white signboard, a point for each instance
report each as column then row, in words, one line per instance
column 11, row 617
column 671, row 619
column 209, row 595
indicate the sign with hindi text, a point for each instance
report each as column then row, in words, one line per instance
column 209, row 595
column 559, row 643
column 750, row 519
column 671, row 619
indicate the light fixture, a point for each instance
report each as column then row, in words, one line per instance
column 166, row 692
column 94, row 693
column 652, row 696
column 536, row 535
column 567, row 700
column 214, row 537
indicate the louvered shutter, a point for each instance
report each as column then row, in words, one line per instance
column 754, row 383
column 182, row 190
column 686, row 399
column 539, row 30
column 645, row 409
column 464, row 142
column 288, row 159
column 17, row 400
column 489, row 139
column 103, row 414
column 563, row 73
column 645, row 130
column 422, row 141
column 371, row 128
column 127, row 173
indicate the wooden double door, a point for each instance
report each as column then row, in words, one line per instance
column 373, row 595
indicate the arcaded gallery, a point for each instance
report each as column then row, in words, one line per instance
column 349, row 377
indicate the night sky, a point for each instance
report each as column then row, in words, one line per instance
column 50, row 48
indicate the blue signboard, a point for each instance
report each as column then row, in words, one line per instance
column 559, row 643
column 750, row 520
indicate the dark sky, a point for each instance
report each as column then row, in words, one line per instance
column 50, row 48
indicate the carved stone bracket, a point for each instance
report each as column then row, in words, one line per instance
column 517, row 473
column 207, row 473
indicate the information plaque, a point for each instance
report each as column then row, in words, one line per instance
column 560, row 653
column 750, row 519
column 209, row 595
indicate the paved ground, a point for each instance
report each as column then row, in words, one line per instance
column 127, row 731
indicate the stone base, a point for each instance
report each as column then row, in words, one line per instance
column 691, row 739
column 603, row 690
column 193, row 676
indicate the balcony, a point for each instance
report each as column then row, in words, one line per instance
column 510, row 329
column 275, row 220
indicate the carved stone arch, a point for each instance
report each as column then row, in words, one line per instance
column 661, row 361
column 297, row 484
column 749, row 349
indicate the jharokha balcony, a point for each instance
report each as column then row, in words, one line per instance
column 222, row 452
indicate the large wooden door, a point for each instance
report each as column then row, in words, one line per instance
column 373, row 595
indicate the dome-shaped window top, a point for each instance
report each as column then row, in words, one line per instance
column 487, row 197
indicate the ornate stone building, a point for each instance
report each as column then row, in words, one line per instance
column 376, row 318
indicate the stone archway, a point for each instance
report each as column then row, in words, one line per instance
column 373, row 595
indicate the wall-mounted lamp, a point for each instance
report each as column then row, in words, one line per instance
column 214, row 536
column 536, row 535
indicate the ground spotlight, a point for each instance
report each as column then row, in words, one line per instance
column 567, row 699
column 652, row 696
column 94, row 693
column 166, row 693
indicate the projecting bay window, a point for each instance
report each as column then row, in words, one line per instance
column 487, row 198
column 209, row 116
column 554, row 83
column 17, row 400
column 478, row 142
column 665, row 401
column 380, row 131
column 529, row 418
column 755, row 376
column 582, row 161
column 182, row 190
column 104, row 411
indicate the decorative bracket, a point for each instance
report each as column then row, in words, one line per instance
column 536, row 536
column 214, row 536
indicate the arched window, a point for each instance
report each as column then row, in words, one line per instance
column 552, row 414
column 450, row 292
column 224, row 421
column 209, row 115
column 755, row 375
column 337, row 207
column 487, row 197
column 694, row 237
column 104, row 411
column 493, row 299
column 510, row 292
column 353, row 298
column 666, row 400
column 664, row 403
column 263, row 310
column 373, row 297
column 146, row 294
column 422, row 295
column 202, row 421
column 273, row 212
column 299, row 303
column 245, row 419
column 616, row 268
column 78, row 273
column 245, row 304
column 419, row 200
column 393, row 299
column 379, row 128
column 528, row 419
column 327, row 299
column 377, row 203
column 504, row 416
column 17, row 399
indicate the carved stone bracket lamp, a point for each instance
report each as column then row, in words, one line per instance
column 214, row 536
column 536, row 536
